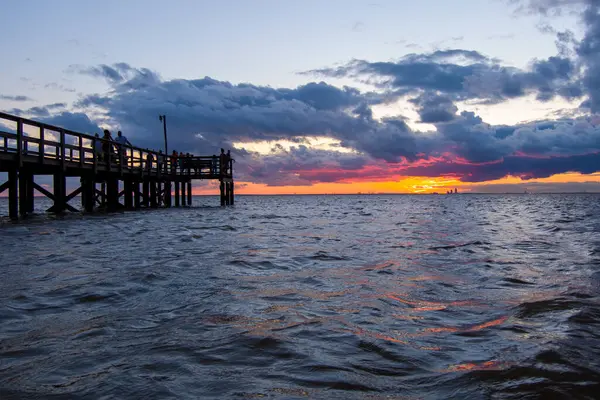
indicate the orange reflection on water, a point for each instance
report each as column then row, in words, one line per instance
column 487, row 365
column 495, row 322
column 451, row 329
column 376, row 335
column 418, row 305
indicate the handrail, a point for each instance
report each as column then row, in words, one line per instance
column 69, row 146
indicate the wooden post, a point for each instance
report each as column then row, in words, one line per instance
column 189, row 192
column 60, row 193
column 88, row 193
column 19, row 142
column 183, row 197
column 112, row 194
column 137, row 195
column 222, row 191
column 167, row 193
column 128, row 188
column 153, row 203
column 231, row 194
column 13, row 203
column 42, row 146
column 176, row 193
column 146, row 193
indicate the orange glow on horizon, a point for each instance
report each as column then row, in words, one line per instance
column 403, row 185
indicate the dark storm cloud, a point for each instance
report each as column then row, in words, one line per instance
column 464, row 74
column 524, row 167
column 434, row 108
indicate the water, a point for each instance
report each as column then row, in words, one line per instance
column 328, row 297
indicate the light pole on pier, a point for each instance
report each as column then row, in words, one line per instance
column 163, row 118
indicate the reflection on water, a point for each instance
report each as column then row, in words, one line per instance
column 307, row 297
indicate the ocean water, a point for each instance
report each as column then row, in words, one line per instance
column 292, row 297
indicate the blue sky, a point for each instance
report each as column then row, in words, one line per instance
column 263, row 42
column 322, row 91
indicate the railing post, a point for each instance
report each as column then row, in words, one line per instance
column 94, row 144
column 120, row 153
column 81, row 153
column 108, row 155
column 20, row 142
column 42, row 146
column 62, row 150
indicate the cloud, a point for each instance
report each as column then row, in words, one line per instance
column 434, row 108
column 463, row 75
column 587, row 51
column 206, row 114
column 15, row 98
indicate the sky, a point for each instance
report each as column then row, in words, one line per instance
column 338, row 96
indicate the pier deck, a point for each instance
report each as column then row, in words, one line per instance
column 141, row 178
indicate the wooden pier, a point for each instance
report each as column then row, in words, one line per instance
column 127, row 178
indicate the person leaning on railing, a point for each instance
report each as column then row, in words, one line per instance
column 122, row 142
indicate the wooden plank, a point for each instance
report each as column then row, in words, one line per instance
column 74, row 193
column 43, row 191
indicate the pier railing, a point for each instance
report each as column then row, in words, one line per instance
column 31, row 141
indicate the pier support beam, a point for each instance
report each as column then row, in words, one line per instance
column 60, row 194
column 189, row 193
column 168, row 194
column 13, row 204
column 183, row 197
column 146, row 193
column 231, row 193
column 128, row 194
column 176, row 193
column 153, row 202
column 222, row 192
column 136, row 195
column 25, row 193
column 88, row 193
column 112, row 195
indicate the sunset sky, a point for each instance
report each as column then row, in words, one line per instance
column 338, row 96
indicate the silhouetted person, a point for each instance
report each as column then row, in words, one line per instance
column 107, row 147
column 122, row 142
column 149, row 161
